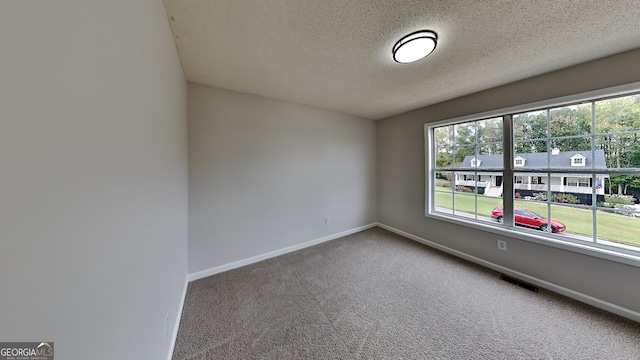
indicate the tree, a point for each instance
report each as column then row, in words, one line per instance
column 465, row 140
column 530, row 132
column 618, row 120
column 571, row 121
column 489, row 136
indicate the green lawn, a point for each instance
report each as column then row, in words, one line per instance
column 613, row 227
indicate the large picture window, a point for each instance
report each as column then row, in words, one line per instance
column 569, row 173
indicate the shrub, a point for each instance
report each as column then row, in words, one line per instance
column 616, row 201
column 443, row 183
column 465, row 189
column 557, row 197
column 565, row 198
column 619, row 199
column 539, row 196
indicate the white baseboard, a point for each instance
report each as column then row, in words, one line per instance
column 176, row 325
column 601, row 304
column 254, row 259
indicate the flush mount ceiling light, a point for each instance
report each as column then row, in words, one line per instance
column 415, row 46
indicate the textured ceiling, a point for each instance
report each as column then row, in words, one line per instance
column 336, row 54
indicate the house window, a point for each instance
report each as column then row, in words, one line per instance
column 592, row 133
column 518, row 161
column 578, row 181
column 577, row 160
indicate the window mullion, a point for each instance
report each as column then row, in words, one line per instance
column 594, row 193
column 507, row 179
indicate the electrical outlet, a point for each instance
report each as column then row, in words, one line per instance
column 327, row 220
column 166, row 326
column 502, row 245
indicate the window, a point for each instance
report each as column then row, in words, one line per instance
column 577, row 160
column 518, row 161
column 578, row 181
column 573, row 174
column 460, row 150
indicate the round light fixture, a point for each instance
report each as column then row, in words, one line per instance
column 415, row 46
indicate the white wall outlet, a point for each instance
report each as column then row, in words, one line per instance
column 502, row 245
column 327, row 220
column 166, row 326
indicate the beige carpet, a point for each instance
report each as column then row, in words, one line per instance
column 376, row 295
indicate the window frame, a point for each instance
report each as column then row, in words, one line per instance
column 621, row 255
column 575, row 162
column 580, row 181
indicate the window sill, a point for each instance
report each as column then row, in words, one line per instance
column 555, row 241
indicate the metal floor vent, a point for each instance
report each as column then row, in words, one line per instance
column 515, row 281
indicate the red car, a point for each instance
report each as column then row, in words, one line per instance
column 528, row 218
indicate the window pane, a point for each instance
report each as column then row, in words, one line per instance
column 490, row 131
column 576, row 154
column 465, row 181
column 489, row 195
column 572, row 144
column 444, row 181
column 444, row 158
column 443, row 191
column 570, row 120
column 618, row 115
column 486, row 206
column 443, row 137
column 531, row 125
column 464, row 203
column 577, row 222
column 529, row 214
column 491, row 149
column 620, row 150
column 464, row 156
column 532, row 154
column 618, row 211
column 465, row 134
column 530, row 187
column 574, row 189
column 618, row 227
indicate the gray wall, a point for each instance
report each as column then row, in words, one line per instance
column 93, row 179
column 264, row 174
column 401, row 176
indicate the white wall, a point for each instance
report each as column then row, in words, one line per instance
column 264, row 174
column 401, row 176
column 93, row 177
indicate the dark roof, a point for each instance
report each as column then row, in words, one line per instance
column 539, row 161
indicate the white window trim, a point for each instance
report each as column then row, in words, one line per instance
column 574, row 159
column 578, row 181
column 520, row 159
column 630, row 258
